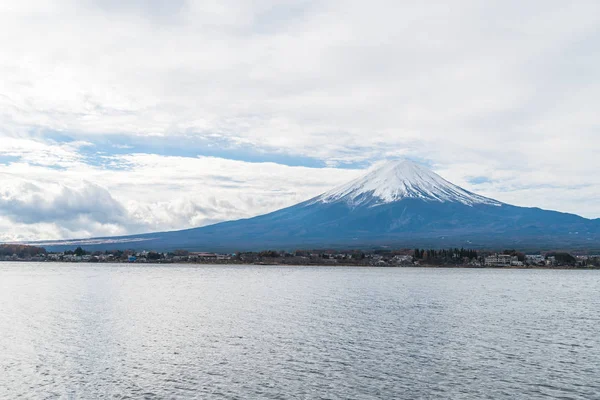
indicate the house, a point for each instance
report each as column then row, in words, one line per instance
column 204, row 256
column 402, row 259
column 500, row 260
column 535, row 259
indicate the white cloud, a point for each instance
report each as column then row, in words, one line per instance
column 30, row 203
column 41, row 209
column 149, row 193
column 499, row 89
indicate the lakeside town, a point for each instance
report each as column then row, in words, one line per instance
column 380, row 258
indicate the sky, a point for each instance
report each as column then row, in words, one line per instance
column 128, row 116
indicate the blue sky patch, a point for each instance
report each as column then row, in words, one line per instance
column 6, row 160
column 99, row 154
column 479, row 180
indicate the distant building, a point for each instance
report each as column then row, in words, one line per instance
column 204, row 256
column 402, row 259
column 500, row 260
column 535, row 259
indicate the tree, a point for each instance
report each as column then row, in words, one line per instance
column 515, row 253
column 21, row 250
column 563, row 258
column 273, row 254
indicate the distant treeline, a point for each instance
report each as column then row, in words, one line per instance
column 21, row 250
column 451, row 256
column 563, row 258
column 446, row 255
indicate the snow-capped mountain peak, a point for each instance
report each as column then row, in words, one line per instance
column 398, row 180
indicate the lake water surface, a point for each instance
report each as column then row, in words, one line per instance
column 254, row 332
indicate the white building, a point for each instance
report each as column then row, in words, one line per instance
column 535, row 259
column 402, row 259
column 500, row 260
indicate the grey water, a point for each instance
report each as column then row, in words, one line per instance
column 256, row 332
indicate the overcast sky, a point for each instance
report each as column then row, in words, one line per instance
column 127, row 116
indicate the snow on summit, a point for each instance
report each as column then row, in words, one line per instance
column 397, row 180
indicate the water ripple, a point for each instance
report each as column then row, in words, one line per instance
column 154, row 332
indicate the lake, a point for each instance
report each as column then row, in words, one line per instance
column 264, row 332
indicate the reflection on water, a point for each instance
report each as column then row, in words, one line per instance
column 89, row 331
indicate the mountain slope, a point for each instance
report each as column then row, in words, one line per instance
column 400, row 204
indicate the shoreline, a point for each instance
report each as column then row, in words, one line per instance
column 275, row 264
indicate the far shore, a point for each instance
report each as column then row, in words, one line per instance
column 279, row 264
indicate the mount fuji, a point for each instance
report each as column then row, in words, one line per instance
column 399, row 180
column 399, row 204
